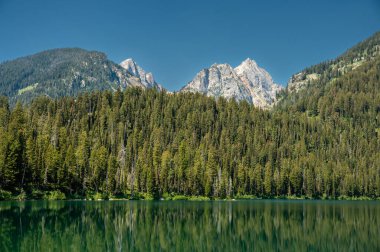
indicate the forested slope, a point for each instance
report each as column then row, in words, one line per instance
column 324, row 72
column 323, row 144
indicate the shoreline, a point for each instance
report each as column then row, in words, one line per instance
column 193, row 198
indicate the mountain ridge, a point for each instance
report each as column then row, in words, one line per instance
column 352, row 58
column 68, row 71
column 63, row 72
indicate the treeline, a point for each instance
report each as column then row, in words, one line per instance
column 324, row 144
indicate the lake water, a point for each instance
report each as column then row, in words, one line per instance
column 257, row 225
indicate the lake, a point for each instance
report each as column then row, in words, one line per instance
column 252, row 225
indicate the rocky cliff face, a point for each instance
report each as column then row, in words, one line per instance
column 260, row 84
column 146, row 79
column 246, row 82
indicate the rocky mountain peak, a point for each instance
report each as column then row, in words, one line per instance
column 131, row 66
column 146, row 78
column 248, row 62
column 245, row 82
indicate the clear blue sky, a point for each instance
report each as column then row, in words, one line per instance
column 176, row 39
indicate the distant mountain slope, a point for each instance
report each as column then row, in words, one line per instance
column 246, row 82
column 339, row 89
column 325, row 71
column 61, row 72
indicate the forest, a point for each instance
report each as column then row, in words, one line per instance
column 322, row 142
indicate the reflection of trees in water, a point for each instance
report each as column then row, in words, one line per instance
column 123, row 226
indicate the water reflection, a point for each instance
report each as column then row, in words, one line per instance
column 190, row 226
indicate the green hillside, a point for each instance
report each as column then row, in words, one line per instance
column 363, row 52
column 60, row 72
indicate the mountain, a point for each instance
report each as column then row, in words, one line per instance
column 60, row 72
column 308, row 89
column 356, row 56
column 258, row 81
column 246, row 82
column 146, row 79
column 347, row 86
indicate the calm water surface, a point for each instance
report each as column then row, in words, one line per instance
column 259, row 225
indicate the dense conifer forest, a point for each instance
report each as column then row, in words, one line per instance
column 322, row 142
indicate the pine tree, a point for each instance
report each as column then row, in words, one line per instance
column 268, row 179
